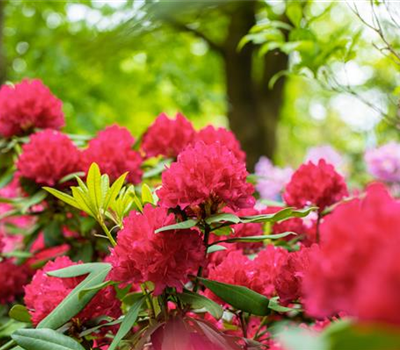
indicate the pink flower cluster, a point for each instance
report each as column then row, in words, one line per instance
column 356, row 270
column 315, row 184
column 48, row 157
column 112, row 151
column 26, row 106
column 166, row 258
column 193, row 182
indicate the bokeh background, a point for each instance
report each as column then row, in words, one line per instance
column 284, row 76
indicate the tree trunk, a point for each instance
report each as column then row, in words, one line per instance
column 2, row 53
column 253, row 109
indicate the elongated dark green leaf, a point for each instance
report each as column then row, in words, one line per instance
column 179, row 226
column 223, row 217
column 20, row 313
column 127, row 323
column 72, row 304
column 97, row 288
column 45, row 339
column 93, row 182
column 283, row 214
column 79, row 270
column 239, row 297
column 256, row 238
column 63, row 196
column 198, row 301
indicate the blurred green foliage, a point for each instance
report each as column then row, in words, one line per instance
column 106, row 71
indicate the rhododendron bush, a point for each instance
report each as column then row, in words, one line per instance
column 166, row 242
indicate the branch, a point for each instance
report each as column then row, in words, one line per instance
column 183, row 27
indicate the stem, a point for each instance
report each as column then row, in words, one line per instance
column 108, row 233
column 318, row 224
column 8, row 345
column 207, row 231
column 243, row 324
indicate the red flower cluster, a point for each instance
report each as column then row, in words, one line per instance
column 268, row 263
column 12, row 280
column 210, row 135
column 238, row 269
column 258, row 274
column 168, row 137
column 112, row 151
column 317, row 185
column 357, row 270
column 204, row 179
column 289, row 278
column 26, row 106
column 165, row 258
column 48, row 157
column 44, row 293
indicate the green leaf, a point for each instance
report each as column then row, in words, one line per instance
column 79, row 270
column 197, row 301
column 179, row 226
column 52, row 233
column 63, row 196
column 215, row 248
column 97, row 288
column 37, row 198
column 222, row 231
column 71, row 176
column 45, row 339
column 147, row 196
column 20, row 313
column 93, row 182
column 83, row 201
column 223, row 217
column 274, row 305
column 114, row 190
column 72, row 304
column 281, row 215
column 294, row 12
column 256, row 238
column 127, row 323
column 346, row 334
column 239, row 297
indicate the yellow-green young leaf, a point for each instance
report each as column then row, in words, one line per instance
column 114, row 190
column 138, row 204
column 81, row 184
column 105, row 187
column 83, row 201
column 63, row 196
column 147, row 196
column 93, row 182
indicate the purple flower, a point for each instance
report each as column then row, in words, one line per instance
column 271, row 179
column 326, row 152
column 383, row 162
